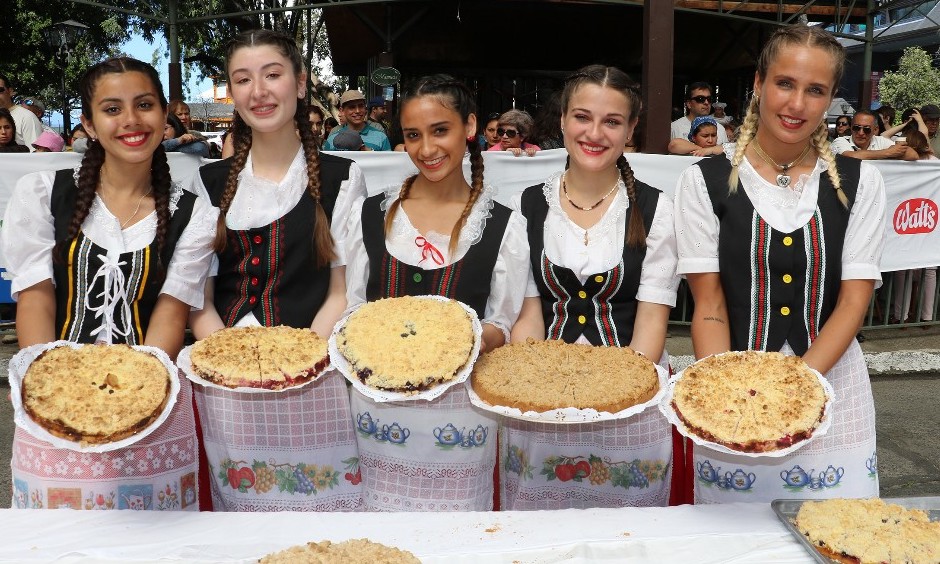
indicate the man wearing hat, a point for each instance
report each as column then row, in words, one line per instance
column 377, row 113
column 352, row 106
column 931, row 116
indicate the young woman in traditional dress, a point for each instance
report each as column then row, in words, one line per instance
column 436, row 226
column 280, row 262
column 781, row 241
column 603, row 252
column 114, row 252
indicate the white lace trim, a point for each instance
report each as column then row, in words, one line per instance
column 176, row 189
column 613, row 217
column 768, row 192
column 470, row 234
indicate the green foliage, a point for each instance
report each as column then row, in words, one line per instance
column 915, row 83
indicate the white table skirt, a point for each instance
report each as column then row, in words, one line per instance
column 721, row 533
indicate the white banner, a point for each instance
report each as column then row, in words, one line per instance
column 913, row 187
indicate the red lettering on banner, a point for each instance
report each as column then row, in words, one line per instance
column 917, row 215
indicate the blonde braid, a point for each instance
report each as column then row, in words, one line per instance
column 402, row 195
column 745, row 134
column 820, row 140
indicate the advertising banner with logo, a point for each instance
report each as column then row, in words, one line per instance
column 913, row 191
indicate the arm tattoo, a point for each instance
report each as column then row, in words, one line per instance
column 722, row 321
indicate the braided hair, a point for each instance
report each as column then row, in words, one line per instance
column 456, row 96
column 808, row 36
column 89, row 175
column 286, row 46
column 612, row 77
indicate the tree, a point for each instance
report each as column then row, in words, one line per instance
column 915, row 83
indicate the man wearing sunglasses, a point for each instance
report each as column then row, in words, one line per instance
column 28, row 126
column 864, row 142
column 698, row 103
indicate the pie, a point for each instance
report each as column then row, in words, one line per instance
column 750, row 401
column 355, row 550
column 545, row 375
column 95, row 394
column 271, row 358
column 869, row 531
column 407, row 344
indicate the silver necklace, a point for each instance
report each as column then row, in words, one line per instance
column 137, row 209
column 783, row 179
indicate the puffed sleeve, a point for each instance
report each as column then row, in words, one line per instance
column 696, row 224
column 188, row 269
column 357, row 259
column 659, row 282
column 351, row 190
column 515, row 204
column 510, row 277
column 28, row 233
column 198, row 188
column 865, row 233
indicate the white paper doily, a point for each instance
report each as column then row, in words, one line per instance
column 340, row 363
column 185, row 363
column 571, row 414
column 665, row 406
column 17, row 370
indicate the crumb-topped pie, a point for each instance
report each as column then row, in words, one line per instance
column 750, row 401
column 545, row 375
column 407, row 344
column 354, row 550
column 869, row 531
column 271, row 358
column 95, row 394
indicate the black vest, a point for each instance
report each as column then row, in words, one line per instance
column 74, row 271
column 271, row 271
column 603, row 309
column 779, row 287
column 467, row 280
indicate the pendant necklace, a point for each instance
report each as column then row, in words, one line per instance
column 137, row 209
column 783, row 179
column 564, row 189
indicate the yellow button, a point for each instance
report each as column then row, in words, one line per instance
column 598, row 278
column 582, row 320
column 787, row 278
column 785, row 310
column 582, row 294
column 788, row 240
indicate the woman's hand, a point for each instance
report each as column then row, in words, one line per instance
column 516, row 151
column 708, row 151
column 531, row 151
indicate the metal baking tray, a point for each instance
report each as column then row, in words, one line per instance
column 786, row 510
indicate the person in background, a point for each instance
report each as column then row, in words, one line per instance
column 111, row 252
column 315, row 114
column 488, row 136
column 28, row 126
column 887, row 115
column 698, row 103
column 931, row 115
column 911, row 120
column 349, row 140
column 843, row 127
column 8, row 142
column 377, row 113
column 731, row 129
column 78, row 139
column 546, row 132
column 48, row 142
column 328, row 124
column 177, row 140
column 513, row 129
column 866, row 143
column 704, row 134
column 352, row 105
column 814, row 225
column 719, row 113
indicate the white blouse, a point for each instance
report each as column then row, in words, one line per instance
column 28, row 236
column 785, row 210
column 510, row 275
column 564, row 243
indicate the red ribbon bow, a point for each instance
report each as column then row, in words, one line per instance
column 429, row 250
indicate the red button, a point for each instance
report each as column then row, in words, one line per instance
column 255, row 261
column 254, row 280
column 258, row 239
column 252, row 300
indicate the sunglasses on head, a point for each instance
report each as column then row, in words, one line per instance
column 865, row 128
column 701, row 99
column 507, row 132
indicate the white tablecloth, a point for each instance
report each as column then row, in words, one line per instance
column 703, row 534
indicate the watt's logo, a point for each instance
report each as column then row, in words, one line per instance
column 917, row 215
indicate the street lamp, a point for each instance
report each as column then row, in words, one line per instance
column 61, row 37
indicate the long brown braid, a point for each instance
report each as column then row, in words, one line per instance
column 454, row 95
column 612, row 77
column 808, row 36
column 89, row 174
column 286, row 46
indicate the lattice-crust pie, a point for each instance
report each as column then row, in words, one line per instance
column 407, row 344
column 869, row 531
column 347, row 552
column 750, row 401
column 95, row 394
column 545, row 375
column 271, row 358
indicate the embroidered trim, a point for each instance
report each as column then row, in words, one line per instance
column 760, row 290
column 561, row 299
column 473, row 228
column 603, row 313
column 815, row 247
